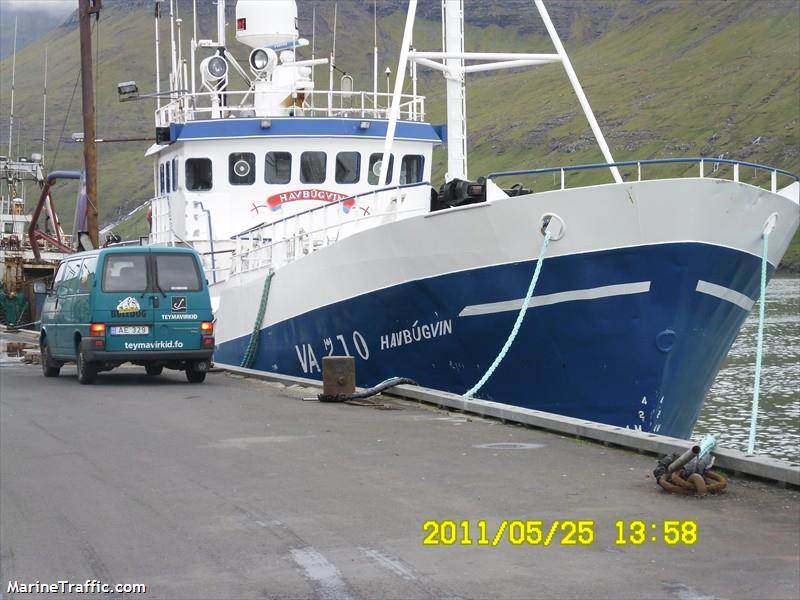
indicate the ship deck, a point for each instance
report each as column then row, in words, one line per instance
column 238, row 488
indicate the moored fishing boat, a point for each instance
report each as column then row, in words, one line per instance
column 324, row 236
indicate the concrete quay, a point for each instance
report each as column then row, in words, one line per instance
column 238, row 488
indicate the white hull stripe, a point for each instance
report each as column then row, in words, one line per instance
column 606, row 291
column 723, row 293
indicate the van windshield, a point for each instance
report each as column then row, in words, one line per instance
column 177, row 272
column 125, row 273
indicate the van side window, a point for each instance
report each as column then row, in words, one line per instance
column 198, row 174
column 312, row 167
column 348, row 165
column 62, row 268
column 125, row 273
column 177, row 272
column 71, row 276
column 278, row 167
column 86, row 280
column 242, row 168
column 375, row 168
column 411, row 168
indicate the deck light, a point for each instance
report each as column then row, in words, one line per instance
column 127, row 90
column 266, row 123
column 364, row 125
column 258, row 59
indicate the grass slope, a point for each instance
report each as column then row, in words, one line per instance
column 664, row 78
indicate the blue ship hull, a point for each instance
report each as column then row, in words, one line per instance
column 643, row 360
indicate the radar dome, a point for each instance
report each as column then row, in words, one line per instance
column 266, row 23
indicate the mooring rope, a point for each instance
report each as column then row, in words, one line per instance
column 252, row 345
column 751, row 444
column 474, row 390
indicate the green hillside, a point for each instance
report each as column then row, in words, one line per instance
column 705, row 78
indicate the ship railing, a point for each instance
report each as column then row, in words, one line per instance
column 283, row 241
column 165, row 230
column 702, row 163
column 318, row 103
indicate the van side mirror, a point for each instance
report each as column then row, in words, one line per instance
column 39, row 287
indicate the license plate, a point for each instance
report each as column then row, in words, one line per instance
column 130, row 330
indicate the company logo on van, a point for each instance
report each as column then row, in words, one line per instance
column 129, row 307
column 179, row 304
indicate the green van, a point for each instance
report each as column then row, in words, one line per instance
column 148, row 305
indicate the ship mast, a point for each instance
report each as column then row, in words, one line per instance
column 86, row 9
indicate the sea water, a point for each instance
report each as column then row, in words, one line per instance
column 728, row 406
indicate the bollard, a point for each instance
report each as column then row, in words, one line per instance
column 684, row 458
column 338, row 375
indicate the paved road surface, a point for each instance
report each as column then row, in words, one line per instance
column 239, row 489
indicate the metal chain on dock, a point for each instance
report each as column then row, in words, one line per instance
column 690, row 473
column 515, row 330
column 252, row 346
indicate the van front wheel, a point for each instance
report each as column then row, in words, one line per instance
column 87, row 372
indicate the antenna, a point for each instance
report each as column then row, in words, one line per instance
column 313, row 40
column 44, row 107
column 375, row 57
column 158, row 53
column 13, row 75
column 173, row 83
column 332, row 61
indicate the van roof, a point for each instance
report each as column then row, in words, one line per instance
column 132, row 250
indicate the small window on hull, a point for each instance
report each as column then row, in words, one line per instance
column 348, row 165
column 174, row 174
column 198, row 174
column 242, row 168
column 312, row 167
column 278, row 167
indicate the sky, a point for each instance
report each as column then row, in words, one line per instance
column 64, row 6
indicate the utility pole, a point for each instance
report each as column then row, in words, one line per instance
column 87, row 8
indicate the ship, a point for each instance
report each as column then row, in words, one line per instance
column 323, row 235
column 23, row 261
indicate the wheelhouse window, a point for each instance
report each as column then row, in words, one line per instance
column 348, row 165
column 242, row 168
column 312, row 167
column 174, row 174
column 278, row 167
column 125, row 273
column 375, row 168
column 412, row 168
column 198, row 174
column 177, row 273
